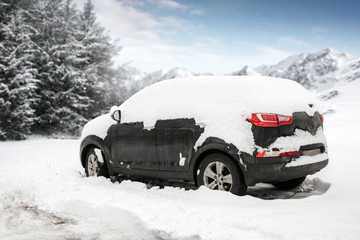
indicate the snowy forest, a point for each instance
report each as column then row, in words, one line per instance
column 56, row 69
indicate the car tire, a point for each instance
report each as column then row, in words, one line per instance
column 218, row 172
column 289, row 184
column 93, row 167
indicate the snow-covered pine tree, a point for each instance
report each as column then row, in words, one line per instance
column 56, row 70
column 61, row 106
column 81, row 74
column 7, row 7
column 101, row 78
column 116, row 91
column 17, row 71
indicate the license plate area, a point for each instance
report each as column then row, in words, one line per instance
column 311, row 152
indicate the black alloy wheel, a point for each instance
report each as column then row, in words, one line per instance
column 93, row 167
column 218, row 172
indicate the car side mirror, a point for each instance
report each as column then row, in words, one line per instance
column 116, row 115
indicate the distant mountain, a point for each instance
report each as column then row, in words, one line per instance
column 326, row 73
column 246, row 71
column 138, row 79
column 321, row 72
column 318, row 71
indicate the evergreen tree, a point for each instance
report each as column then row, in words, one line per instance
column 56, row 70
column 18, row 74
column 98, row 66
column 60, row 107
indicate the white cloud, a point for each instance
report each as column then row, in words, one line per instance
column 175, row 22
column 169, row 4
column 319, row 29
column 149, row 44
column 270, row 55
column 197, row 11
column 317, row 33
column 144, row 35
column 271, row 51
column 209, row 42
column 289, row 40
column 134, row 2
column 122, row 18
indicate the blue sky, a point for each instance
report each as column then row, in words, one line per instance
column 223, row 36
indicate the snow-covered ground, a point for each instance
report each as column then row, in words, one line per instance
column 44, row 195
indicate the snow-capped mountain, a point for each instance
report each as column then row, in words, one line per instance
column 325, row 73
column 138, row 79
column 322, row 72
column 246, row 71
column 318, row 71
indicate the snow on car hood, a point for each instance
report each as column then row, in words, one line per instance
column 220, row 103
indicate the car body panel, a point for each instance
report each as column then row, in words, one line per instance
column 132, row 146
column 175, row 141
column 168, row 146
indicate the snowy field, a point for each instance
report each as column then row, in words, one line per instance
column 44, row 195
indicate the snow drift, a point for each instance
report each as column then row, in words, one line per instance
column 43, row 196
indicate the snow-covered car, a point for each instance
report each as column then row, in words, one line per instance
column 224, row 132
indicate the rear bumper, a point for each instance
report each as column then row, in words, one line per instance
column 276, row 172
column 277, row 169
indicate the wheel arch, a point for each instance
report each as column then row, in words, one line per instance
column 89, row 142
column 212, row 146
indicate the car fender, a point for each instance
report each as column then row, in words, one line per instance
column 95, row 141
column 216, row 145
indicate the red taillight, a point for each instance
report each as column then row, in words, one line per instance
column 276, row 154
column 270, row 119
column 261, row 154
column 289, row 153
column 285, row 120
column 322, row 117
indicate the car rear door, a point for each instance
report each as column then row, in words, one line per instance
column 175, row 140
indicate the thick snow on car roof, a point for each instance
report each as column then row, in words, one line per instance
column 212, row 95
column 220, row 103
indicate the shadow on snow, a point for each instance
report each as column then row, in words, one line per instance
column 310, row 187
